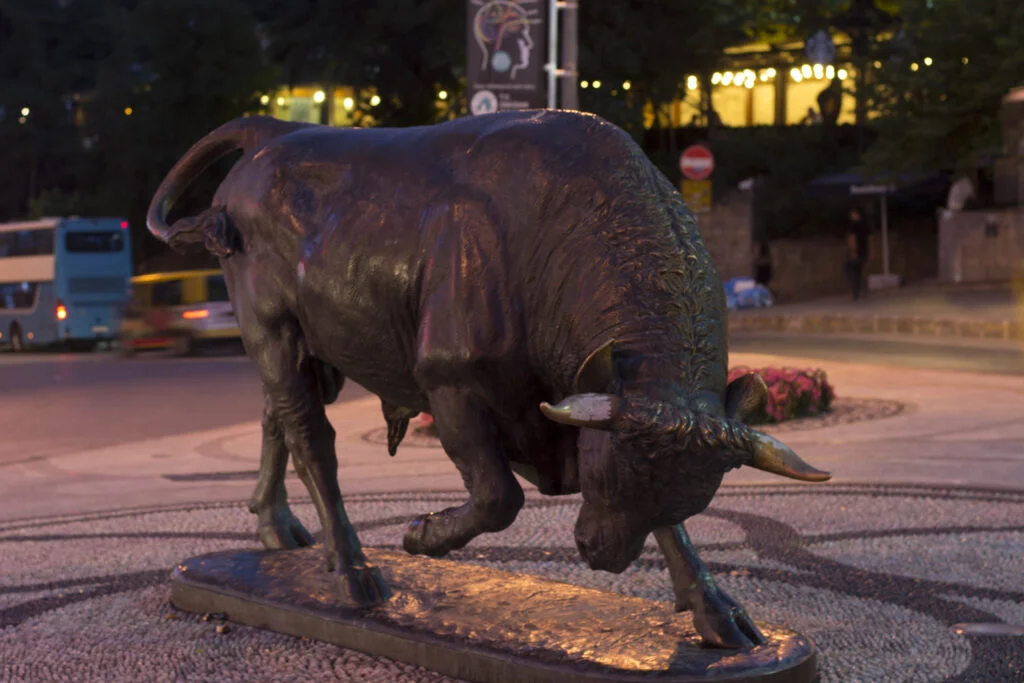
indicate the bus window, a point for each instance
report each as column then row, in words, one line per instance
column 27, row 243
column 81, row 242
column 216, row 289
column 166, row 293
column 20, row 296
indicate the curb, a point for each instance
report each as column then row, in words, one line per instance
column 876, row 324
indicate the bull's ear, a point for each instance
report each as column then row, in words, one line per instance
column 746, row 397
column 597, row 374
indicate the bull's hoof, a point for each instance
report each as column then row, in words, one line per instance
column 722, row 622
column 422, row 536
column 280, row 530
column 362, row 587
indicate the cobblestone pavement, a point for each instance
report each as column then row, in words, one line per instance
column 876, row 575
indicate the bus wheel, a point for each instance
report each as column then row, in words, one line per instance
column 17, row 341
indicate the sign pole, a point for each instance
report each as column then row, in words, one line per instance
column 552, row 65
column 697, row 164
column 570, row 54
column 885, row 235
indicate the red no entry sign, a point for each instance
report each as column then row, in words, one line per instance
column 697, row 162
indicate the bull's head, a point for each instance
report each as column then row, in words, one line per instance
column 645, row 464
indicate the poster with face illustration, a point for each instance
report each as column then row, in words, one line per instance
column 507, row 50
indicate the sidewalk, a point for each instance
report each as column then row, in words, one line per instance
column 921, row 445
column 920, row 530
column 994, row 312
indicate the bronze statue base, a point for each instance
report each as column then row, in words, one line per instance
column 480, row 624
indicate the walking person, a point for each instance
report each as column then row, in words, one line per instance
column 763, row 264
column 856, row 250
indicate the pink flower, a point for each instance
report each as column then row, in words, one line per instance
column 792, row 392
column 771, row 408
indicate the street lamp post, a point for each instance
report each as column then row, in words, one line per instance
column 569, row 53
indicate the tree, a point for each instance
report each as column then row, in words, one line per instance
column 652, row 45
column 941, row 81
column 183, row 68
column 49, row 50
column 405, row 51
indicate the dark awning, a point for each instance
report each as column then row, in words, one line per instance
column 856, row 184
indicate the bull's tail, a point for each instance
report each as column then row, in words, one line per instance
column 212, row 227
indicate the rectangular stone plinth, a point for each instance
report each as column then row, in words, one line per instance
column 480, row 624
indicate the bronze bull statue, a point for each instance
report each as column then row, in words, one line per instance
column 531, row 280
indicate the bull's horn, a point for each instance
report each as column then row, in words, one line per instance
column 771, row 455
column 595, row 411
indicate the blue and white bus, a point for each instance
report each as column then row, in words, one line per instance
column 63, row 280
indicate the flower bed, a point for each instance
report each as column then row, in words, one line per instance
column 793, row 393
column 425, row 425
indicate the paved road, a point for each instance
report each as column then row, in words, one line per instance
column 61, row 403
column 1003, row 358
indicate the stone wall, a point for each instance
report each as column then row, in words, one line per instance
column 809, row 268
column 981, row 246
column 727, row 231
column 806, row 268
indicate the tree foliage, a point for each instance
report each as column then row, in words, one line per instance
column 117, row 90
column 942, row 79
column 182, row 68
column 652, row 44
column 778, row 21
column 406, row 51
column 48, row 51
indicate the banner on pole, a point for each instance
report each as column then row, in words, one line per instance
column 507, row 43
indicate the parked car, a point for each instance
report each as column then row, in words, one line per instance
column 744, row 292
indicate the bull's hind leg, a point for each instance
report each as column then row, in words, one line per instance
column 290, row 379
column 720, row 620
column 278, row 527
column 470, row 437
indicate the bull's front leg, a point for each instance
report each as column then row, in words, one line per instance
column 720, row 620
column 295, row 399
column 470, row 437
column 278, row 527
